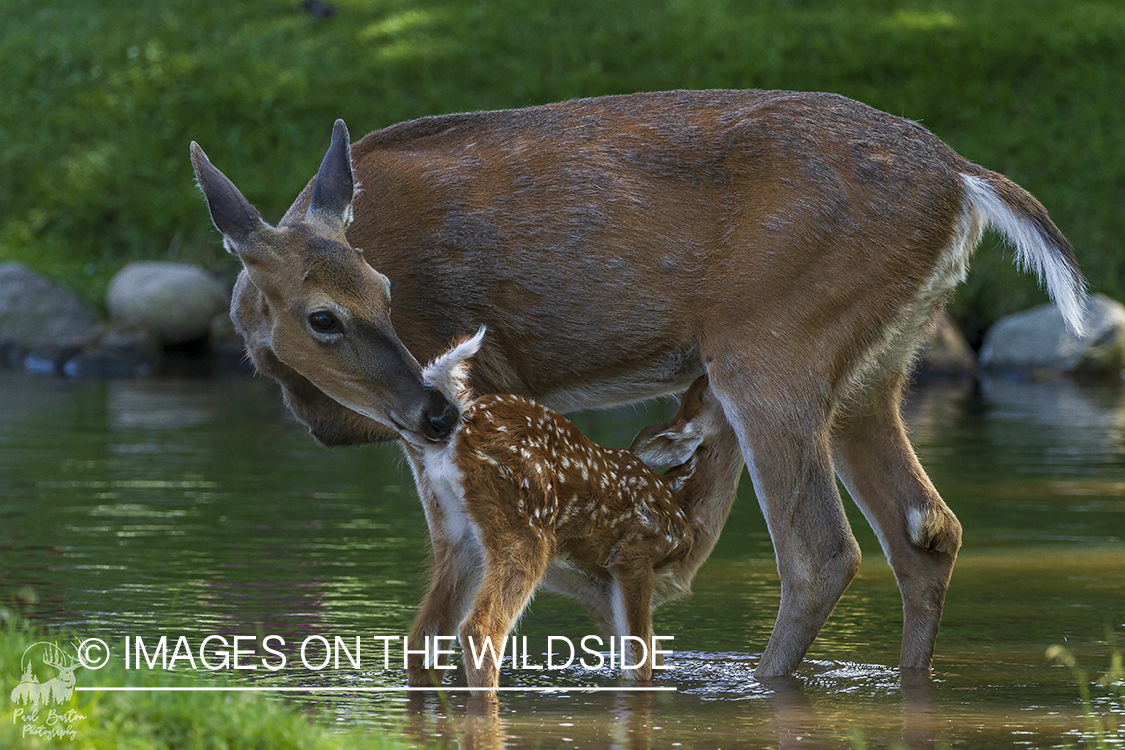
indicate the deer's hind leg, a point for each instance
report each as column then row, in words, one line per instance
column 514, row 565
column 919, row 533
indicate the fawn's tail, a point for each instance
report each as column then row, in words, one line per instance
column 449, row 372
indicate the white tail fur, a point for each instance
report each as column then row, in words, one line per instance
column 1035, row 253
column 449, row 373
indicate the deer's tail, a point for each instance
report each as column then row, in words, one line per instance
column 1040, row 247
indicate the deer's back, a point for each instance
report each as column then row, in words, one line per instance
column 608, row 236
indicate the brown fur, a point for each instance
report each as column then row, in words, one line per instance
column 793, row 246
column 539, row 494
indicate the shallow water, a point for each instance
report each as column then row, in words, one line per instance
column 158, row 507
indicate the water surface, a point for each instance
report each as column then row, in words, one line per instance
column 162, row 507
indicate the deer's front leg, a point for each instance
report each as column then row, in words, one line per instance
column 632, row 605
column 456, row 572
column 784, row 434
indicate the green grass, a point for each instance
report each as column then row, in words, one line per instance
column 163, row 720
column 1103, row 712
column 101, row 99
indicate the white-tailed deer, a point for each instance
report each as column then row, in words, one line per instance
column 793, row 246
column 524, row 499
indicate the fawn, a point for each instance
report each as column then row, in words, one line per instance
column 524, row 499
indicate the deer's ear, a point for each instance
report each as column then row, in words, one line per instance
column 331, row 202
column 231, row 213
column 662, row 446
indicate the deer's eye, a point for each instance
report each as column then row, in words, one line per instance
column 323, row 321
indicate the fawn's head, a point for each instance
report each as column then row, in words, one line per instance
column 698, row 425
column 325, row 311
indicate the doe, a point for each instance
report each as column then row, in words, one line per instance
column 795, row 247
column 524, row 500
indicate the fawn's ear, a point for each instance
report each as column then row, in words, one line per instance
column 662, row 446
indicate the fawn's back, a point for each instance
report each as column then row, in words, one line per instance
column 524, row 469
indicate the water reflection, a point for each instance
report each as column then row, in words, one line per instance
column 932, row 411
column 920, row 722
column 199, row 507
column 1060, row 404
column 1061, row 417
column 159, row 405
column 794, row 716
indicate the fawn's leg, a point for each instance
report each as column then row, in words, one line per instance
column 513, row 567
column 456, row 572
column 452, row 585
column 632, row 608
column 601, row 610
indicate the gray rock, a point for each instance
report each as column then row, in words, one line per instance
column 228, row 348
column 37, row 312
column 176, row 301
column 120, row 353
column 946, row 353
column 48, row 360
column 105, row 364
column 135, row 342
column 1036, row 342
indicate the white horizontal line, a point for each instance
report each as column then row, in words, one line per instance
column 389, row 689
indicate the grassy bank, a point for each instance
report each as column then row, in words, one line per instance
column 101, row 100
column 158, row 720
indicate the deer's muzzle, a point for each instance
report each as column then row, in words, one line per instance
column 439, row 418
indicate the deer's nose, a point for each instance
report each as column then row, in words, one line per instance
column 440, row 418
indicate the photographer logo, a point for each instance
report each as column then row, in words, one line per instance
column 36, row 698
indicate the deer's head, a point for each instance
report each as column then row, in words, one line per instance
column 325, row 312
column 60, row 660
